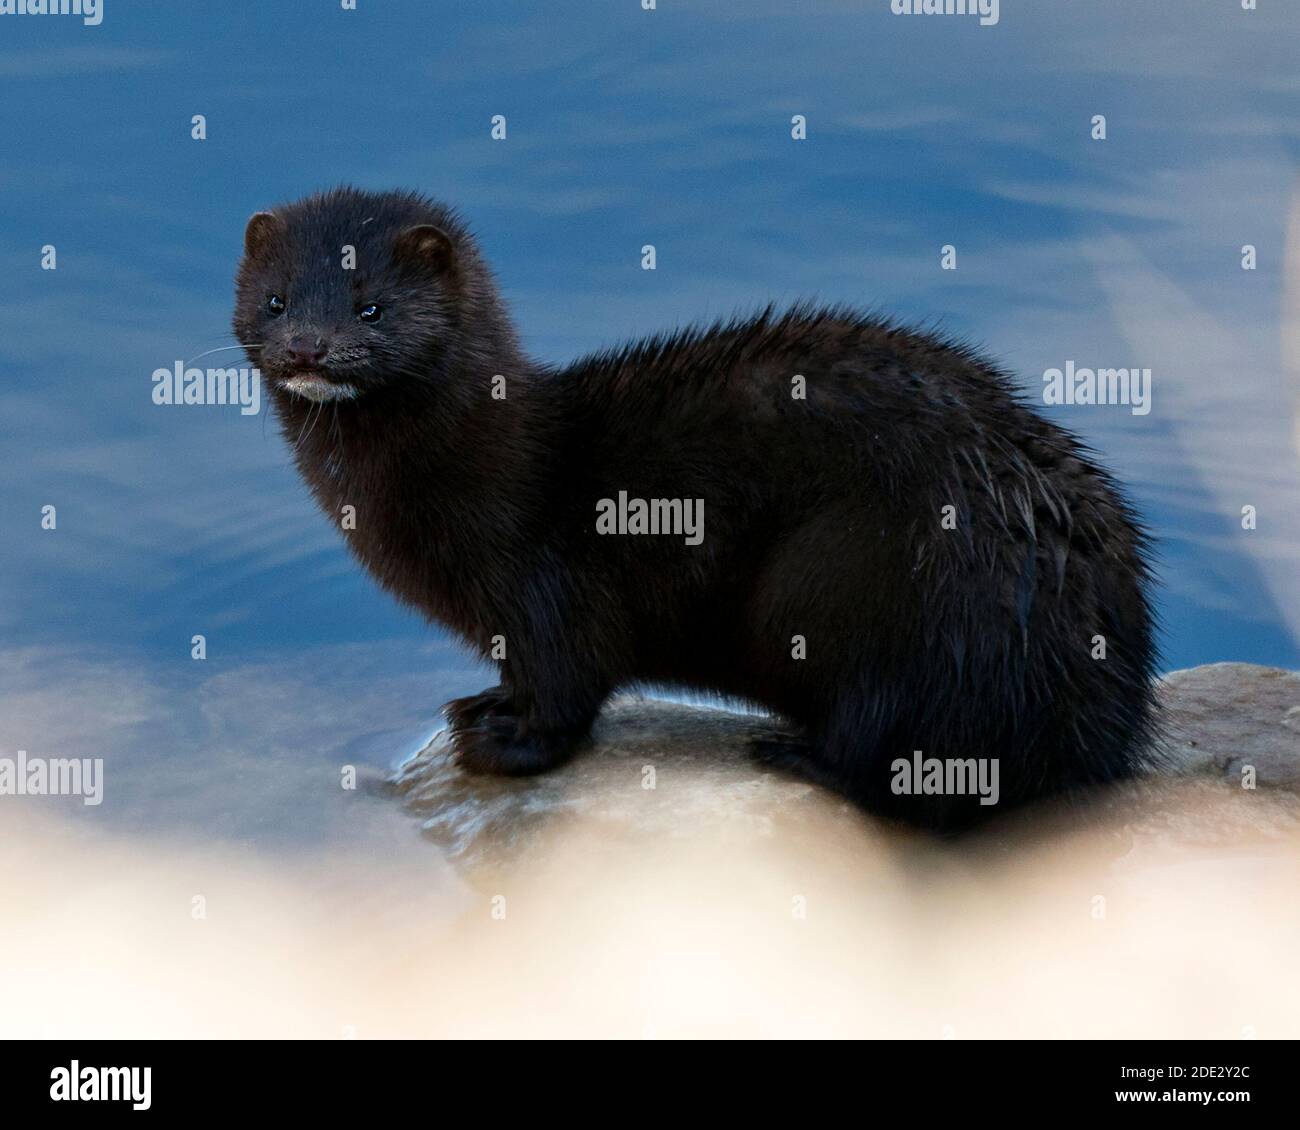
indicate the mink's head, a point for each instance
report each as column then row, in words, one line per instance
column 348, row 292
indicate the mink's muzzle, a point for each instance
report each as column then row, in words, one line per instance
column 316, row 385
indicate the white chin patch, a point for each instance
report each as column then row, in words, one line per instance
column 311, row 387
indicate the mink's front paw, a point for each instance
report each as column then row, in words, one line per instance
column 498, row 745
column 463, row 713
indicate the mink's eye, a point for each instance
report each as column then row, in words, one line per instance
column 275, row 305
column 371, row 313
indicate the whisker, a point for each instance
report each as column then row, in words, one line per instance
column 220, row 348
column 301, row 428
column 320, row 411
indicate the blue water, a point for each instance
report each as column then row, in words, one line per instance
column 625, row 127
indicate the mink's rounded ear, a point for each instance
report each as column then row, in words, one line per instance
column 425, row 247
column 262, row 229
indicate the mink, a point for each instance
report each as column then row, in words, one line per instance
column 893, row 551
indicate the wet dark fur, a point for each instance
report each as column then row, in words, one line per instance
column 822, row 519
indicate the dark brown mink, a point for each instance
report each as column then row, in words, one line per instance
column 898, row 553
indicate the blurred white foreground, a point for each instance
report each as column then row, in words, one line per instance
column 1172, row 914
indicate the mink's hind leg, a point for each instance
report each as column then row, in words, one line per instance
column 844, row 755
column 797, row 755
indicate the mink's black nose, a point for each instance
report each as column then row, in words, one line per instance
column 305, row 350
